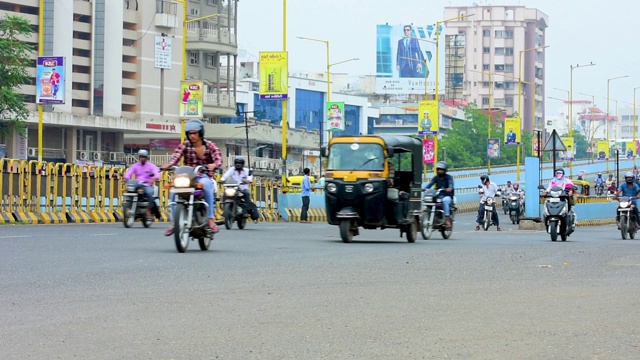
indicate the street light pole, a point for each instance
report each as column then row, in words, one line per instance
column 607, row 116
column 635, row 140
column 571, row 67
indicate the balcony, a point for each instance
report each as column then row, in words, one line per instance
column 220, row 104
column 210, row 40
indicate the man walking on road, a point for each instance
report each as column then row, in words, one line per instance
column 306, row 196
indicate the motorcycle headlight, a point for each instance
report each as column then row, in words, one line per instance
column 368, row 187
column 624, row 204
column 181, row 182
column 489, row 201
column 131, row 188
column 229, row 192
column 331, row 187
column 428, row 199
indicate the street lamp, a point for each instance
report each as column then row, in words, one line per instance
column 571, row 67
column 592, row 131
column 635, row 140
column 607, row 117
column 490, row 115
column 437, row 97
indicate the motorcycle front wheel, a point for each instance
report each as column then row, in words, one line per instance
column 426, row 226
column 623, row 227
column 180, row 231
column 228, row 216
column 487, row 220
column 553, row 230
column 128, row 218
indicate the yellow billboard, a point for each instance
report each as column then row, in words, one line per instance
column 428, row 117
column 603, row 150
column 512, row 131
column 569, row 154
column 191, row 104
column 274, row 75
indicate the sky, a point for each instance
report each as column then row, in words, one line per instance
column 579, row 32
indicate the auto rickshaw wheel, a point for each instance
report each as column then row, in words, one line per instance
column 345, row 231
column 412, row 231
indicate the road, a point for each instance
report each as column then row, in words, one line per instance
column 295, row 291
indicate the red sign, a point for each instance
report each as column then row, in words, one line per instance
column 165, row 127
column 50, row 63
column 194, row 87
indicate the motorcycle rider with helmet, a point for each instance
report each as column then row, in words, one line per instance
column 632, row 190
column 564, row 183
column 241, row 176
column 147, row 173
column 196, row 151
column 488, row 190
column 443, row 181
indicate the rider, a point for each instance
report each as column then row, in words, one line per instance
column 443, row 181
column 632, row 190
column 509, row 188
column 241, row 176
column 564, row 183
column 488, row 190
column 196, row 151
column 610, row 180
column 146, row 173
column 520, row 192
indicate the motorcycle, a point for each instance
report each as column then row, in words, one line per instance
column 235, row 209
column 628, row 217
column 505, row 203
column 135, row 204
column 433, row 215
column 487, row 218
column 516, row 209
column 599, row 188
column 190, row 218
column 557, row 218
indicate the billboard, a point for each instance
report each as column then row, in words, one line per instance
column 512, row 134
column 191, row 104
column 162, row 55
column 274, row 75
column 50, row 80
column 428, row 151
column 335, row 116
column 493, row 148
column 428, row 117
column 632, row 149
column 603, row 150
column 403, row 61
column 569, row 154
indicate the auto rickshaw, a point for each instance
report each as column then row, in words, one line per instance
column 374, row 182
column 582, row 187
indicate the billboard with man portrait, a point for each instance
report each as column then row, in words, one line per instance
column 512, row 131
column 405, row 58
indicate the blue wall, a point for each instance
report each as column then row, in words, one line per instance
column 309, row 109
column 267, row 109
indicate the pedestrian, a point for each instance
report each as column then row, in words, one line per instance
column 306, row 196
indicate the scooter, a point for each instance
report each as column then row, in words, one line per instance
column 516, row 209
column 433, row 215
column 628, row 217
column 557, row 218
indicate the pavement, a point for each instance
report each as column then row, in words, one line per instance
column 295, row 291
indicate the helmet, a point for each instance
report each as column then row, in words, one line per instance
column 628, row 177
column 442, row 165
column 193, row 125
column 143, row 152
column 599, row 174
column 238, row 160
column 484, row 178
column 559, row 171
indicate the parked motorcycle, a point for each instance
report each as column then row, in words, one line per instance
column 235, row 209
column 557, row 218
column 135, row 204
column 433, row 215
column 516, row 208
column 190, row 218
column 628, row 217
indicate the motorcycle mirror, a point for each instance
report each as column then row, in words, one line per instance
column 250, row 172
column 479, row 186
column 540, row 187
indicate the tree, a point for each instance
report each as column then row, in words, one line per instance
column 466, row 142
column 15, row 59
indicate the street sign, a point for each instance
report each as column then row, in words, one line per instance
column 554, row 143
column 589, row 150
column 163, row 52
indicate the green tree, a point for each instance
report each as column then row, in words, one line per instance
column 466, row 142
column 15, row 59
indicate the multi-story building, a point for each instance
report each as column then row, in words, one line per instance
column 487, row 43
column 113, row 84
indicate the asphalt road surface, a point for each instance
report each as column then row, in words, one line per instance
column 295, row 291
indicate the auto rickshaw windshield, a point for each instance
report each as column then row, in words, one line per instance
column 356, row 156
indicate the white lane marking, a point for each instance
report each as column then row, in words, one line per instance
column 14, row 236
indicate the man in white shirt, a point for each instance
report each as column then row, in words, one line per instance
column 487, row 190
column 241, row 176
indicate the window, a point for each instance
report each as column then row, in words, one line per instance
column 499, row 85
column 499, row 33
column 485, row 67
column 509, row 85
column 508, row 34
column 193, row 58
column 211, row 61
column 508, row 101
column 499, row 67
column 508, row 68
column 485, row 101
column 212, row 2
column 486, row 50
column 486, row 33
column 485, row 84
column 508, row 51
column 499, row 51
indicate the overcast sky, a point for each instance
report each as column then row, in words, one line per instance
column 580, row 31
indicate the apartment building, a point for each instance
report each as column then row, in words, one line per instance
column 114, row 84
column 482, row 58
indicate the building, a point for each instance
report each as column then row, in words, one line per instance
column 113, row 82
column 491, row 39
